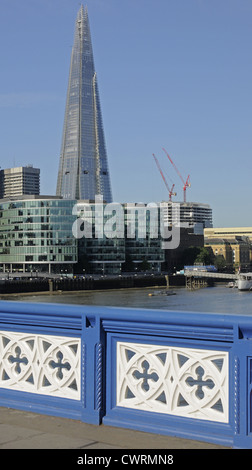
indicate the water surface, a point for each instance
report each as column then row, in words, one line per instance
column 219, row 299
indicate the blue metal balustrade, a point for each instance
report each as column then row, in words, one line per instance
column 172, row 373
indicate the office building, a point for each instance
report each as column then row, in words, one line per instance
column 191, row 218
column 19, row 181
column 83, row 168
column 99, row 251
column 143, row 238
column 190, row 215
column 36, row 235
column 106, row 244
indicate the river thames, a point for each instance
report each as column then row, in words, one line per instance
column 219, row 299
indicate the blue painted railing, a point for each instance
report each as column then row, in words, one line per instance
column 172, row 373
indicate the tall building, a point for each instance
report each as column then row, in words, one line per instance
column 19, row 181
column 83, row 168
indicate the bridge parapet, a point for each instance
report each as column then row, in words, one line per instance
column 175, row 373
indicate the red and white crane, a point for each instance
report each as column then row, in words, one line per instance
column 186, row 184
column 171, row 193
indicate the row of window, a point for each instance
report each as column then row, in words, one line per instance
column 58, row 203
column 37, row 259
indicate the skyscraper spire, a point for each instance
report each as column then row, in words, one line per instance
column 83, row 168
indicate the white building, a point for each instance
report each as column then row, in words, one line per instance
column 193, row 215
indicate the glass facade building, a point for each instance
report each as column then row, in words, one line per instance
column 83, row 168
column 36, row 235
column 110, row 243
column 143, row 249
column 99, row 251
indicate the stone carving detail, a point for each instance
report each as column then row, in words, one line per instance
column 42, row 364
column 173, row 380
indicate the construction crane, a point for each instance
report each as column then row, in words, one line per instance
column 186, row 184
column 171, row 193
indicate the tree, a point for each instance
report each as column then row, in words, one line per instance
column 205, row 256
column 220, row 262
column 189, row 255
column 144, row 265
column 129, row 264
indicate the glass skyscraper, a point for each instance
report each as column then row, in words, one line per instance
column 83, row 169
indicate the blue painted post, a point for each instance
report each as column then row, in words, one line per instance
column 92, row 369
column 241, row 400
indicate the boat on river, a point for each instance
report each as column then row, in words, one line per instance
column 162, row 292
column 245, row 281
column 232, row 284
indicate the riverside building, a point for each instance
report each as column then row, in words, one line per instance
column 191, row 218
column 143, row 238
column 36, row 235
column 195, row 216
column 100, row 251
column 228, row 232
column 106, row 244
column 233, row 244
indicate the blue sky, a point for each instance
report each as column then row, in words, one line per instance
column 171, row 73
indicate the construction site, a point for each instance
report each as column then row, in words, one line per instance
column 189, row 215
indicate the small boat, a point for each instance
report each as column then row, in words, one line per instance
column 232, row 284
column 245, row 281
column 165, row 292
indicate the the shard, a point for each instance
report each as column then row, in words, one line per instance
column 83, row 169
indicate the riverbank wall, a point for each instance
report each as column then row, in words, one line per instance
column 13, row 286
